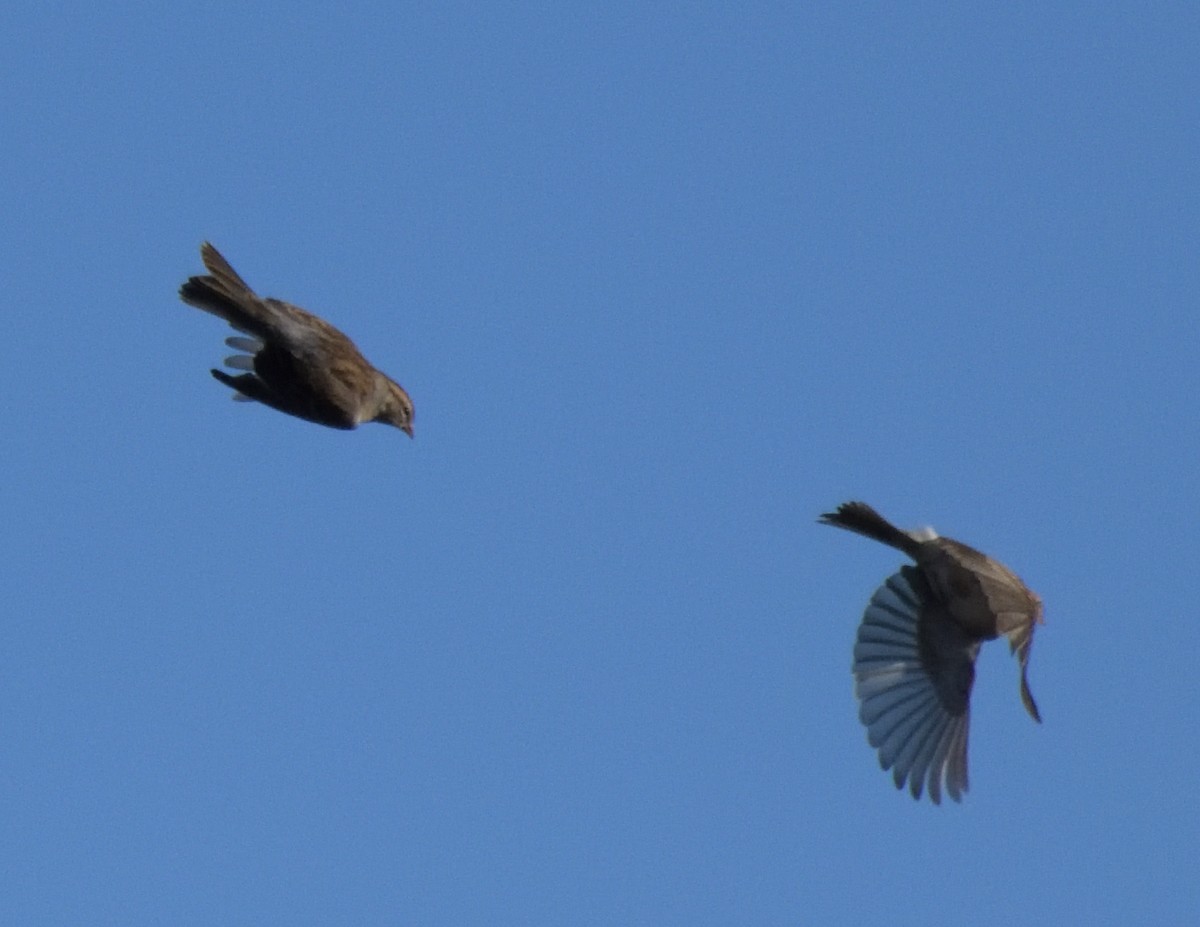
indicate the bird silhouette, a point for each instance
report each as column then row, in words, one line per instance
column 294, row 361
column 914, row 658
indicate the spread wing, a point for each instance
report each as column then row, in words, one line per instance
column 913, row 670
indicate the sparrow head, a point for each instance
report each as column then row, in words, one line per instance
column 396, row 408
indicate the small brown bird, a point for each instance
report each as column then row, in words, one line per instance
column 296, row 362
column 914, row 659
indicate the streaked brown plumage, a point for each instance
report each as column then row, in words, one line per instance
column 914, row 659
column 295, row 362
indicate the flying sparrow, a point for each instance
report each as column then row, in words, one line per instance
column 294, row 361
column 914, row 659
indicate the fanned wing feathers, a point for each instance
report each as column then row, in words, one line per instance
column 915, row 709
column 249, row 345
column 243, row 361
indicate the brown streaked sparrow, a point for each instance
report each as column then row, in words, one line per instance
column 294, row 362
column 914, row 659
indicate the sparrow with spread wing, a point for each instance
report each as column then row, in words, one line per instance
column 294, row 361
column 914, row 659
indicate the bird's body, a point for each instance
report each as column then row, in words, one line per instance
column 914, row 659
column 295, row 362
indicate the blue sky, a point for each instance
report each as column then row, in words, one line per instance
column 665, row 283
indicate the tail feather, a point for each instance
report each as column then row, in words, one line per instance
column 224, row 294
column 862, row 519
column 222, row 272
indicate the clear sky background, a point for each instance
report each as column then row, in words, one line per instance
column 665, row 281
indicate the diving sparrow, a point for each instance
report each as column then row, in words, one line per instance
column 294, row 361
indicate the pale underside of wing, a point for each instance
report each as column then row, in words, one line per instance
column 243, row 361
column 917, row 721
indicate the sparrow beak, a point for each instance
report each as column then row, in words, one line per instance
column 407, row 429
